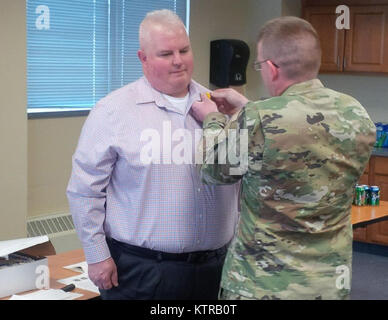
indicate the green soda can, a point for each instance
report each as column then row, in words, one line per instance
column 359, row 196
column 367, row 195
column 374, row 195
column 355, row 194
column 363, row 195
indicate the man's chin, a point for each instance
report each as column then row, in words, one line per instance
column 178, row 91
column 179, row 77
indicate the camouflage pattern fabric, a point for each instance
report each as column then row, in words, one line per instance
column 228, row 295
column 306, row 150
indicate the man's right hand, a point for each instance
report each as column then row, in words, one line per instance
column 104, row 274
column 228, row 100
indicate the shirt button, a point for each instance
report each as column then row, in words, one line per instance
column 198, row 241
column 199, row 189
column 200, row 216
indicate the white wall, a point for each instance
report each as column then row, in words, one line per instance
column 13, row 120
column 259, row 13
column 230, row 19
column 211, row 20
column 370, row 90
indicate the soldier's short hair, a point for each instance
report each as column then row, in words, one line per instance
column 156, row 19
column 293, row 44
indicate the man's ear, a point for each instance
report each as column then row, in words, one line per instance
column 274, row 70
column 142, row 56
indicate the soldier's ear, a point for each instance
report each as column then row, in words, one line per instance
column 274, row 70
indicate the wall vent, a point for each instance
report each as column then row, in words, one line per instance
column 46, row 225
column 58, row 227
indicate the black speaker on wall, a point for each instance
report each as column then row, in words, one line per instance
column 228, row 62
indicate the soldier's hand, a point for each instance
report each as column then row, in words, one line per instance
column 200, row 109
column 228, row 100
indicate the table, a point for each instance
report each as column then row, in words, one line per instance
column 369, row 214
column 57, row 272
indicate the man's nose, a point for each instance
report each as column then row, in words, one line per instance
column 177, row 59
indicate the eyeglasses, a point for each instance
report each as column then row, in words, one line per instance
column 257, row 64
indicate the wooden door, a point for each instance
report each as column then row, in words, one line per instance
column 364, row 179
column 382, row 182
column 380, row 176
column 332, row 40
column 378, row 232
column 366, row 42
column 359, row 234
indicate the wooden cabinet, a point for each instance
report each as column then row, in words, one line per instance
column 332, row 39
column 366, row 43
column 380, row 175
column 376, row 174
column 378, row 232
column 362, row 48
column 359, row 234
column 382, row 182
column 364, row 179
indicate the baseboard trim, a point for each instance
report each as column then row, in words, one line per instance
column 370, row 248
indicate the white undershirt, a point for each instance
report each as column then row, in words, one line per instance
column 178, row 104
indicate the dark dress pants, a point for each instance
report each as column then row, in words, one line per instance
column 145, row 274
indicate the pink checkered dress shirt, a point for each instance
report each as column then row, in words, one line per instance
column 163, row 205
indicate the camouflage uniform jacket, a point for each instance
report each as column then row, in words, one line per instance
column 305, row 151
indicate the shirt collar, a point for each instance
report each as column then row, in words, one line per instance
column 148, row 94
column 303, row 87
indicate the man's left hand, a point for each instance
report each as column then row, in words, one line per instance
column 200, row 109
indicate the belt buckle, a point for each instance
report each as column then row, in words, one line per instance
column 197, row 257
column 191, row 257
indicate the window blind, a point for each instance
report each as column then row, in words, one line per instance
column 79, row 51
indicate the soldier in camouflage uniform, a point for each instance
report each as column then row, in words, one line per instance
column 307, row 147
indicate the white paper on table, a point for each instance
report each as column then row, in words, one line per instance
column 81, row 281
column 50, row 294
column 78, row 267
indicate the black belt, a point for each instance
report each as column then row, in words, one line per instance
column 193, row 257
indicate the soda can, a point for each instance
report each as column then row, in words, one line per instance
column 374, row 195
column 367, row 195
column 363, row 194
column 359, row 196
column 355, row 193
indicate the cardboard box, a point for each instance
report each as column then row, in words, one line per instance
column 19, row 271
